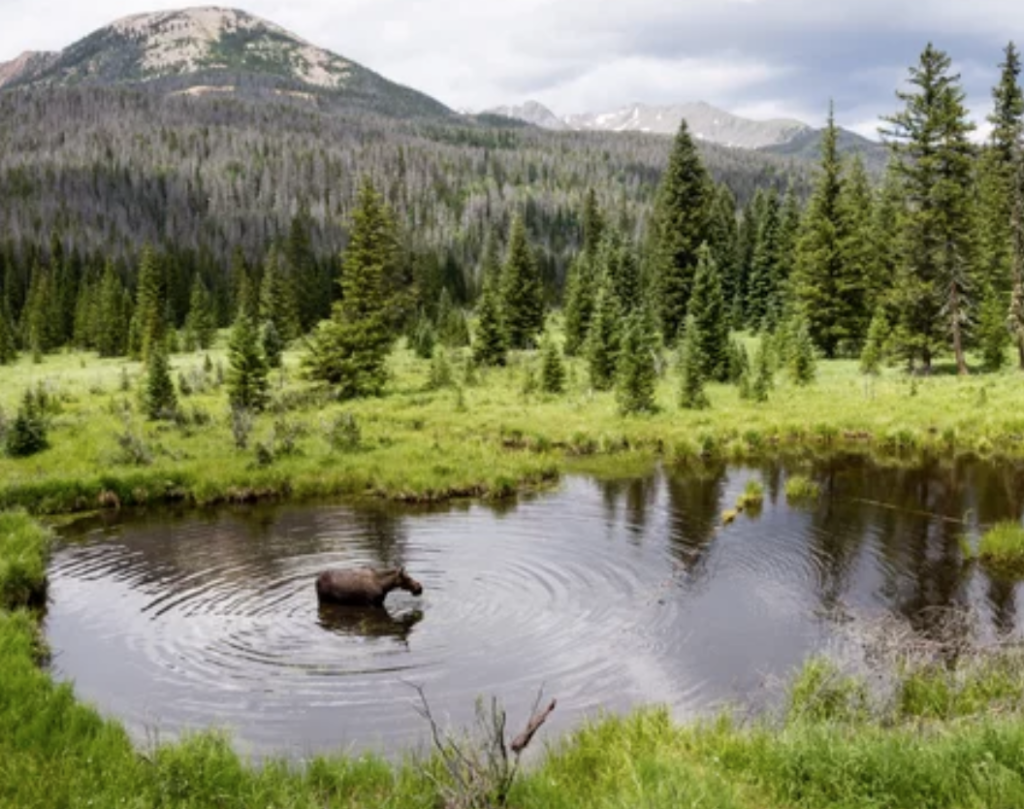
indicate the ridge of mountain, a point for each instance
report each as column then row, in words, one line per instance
column 212, row 49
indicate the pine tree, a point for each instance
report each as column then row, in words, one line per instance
column 552, row 372
column 762, row 290
column 857, row 252
column 247, row 367
column 160, row 399
column 707, row 309
column 200, row 322
column 691, row 365
column 1016, row 316
column 605, row 337
column 148, row 326
column 277, row 297
column 523, row 295
column 801, row 363
column 8, row 344
column 997, row 170
column 636, row 374
column 593, row 227
column 873, row 354
column 723, row 236
column 41, row 315
column 580, row 295
column 350, row 349
column 679, row 226
column 27, row 433
column 491, row 344
column 828, row 288
column 762, row 372
column 272, row 344
column 992, row 332
column 451, row 322
column 933, row 156
column 112, row 315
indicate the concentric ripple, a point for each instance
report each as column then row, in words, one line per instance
column 605, row 594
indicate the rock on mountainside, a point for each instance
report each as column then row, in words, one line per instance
column 196, row 49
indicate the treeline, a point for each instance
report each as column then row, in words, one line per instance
column 91, row 176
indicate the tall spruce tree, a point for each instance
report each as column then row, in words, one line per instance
column 200, row 322
column 110, row 331
column 709, row 317
column 691, row 370
column 605, row 337
column 680, row 224
column 8, row 344
column 762, row 292
column 552, row 372
column 1016, row 316
column 247, row 369
column 580, row 298
column 997, row 170
column 933, row 155
column 829, row 288
column 522, row 292
column 636, row 374
column 351, row 348
column 160, row 399
column 491, row 344
column 277, row 296
column 148, row 326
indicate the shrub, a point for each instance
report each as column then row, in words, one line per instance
column 27, row 433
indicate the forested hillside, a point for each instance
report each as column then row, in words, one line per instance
column 95, row 173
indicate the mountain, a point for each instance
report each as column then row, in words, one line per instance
column 785, row 137
column 706, row 122
column 532, row 112
column 214, row 50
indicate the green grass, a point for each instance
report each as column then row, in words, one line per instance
column 23, row 548
column 752, row 496
column 801, row 489
column 484, row 439
column 1002, row 548
column 938, row 736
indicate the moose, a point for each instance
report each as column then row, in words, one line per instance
column 363, row 587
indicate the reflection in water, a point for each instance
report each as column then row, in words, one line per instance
column 369, row 622
column 608, row 593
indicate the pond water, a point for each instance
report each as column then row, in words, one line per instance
column 607, row 594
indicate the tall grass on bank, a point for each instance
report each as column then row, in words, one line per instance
column 1002, row 548
column 943, row 731
column 23, row 552
column 489, row 435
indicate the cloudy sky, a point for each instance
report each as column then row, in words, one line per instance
column 761, row 58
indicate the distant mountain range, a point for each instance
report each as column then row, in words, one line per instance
column 784, row 136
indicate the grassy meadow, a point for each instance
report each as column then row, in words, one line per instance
column 489, row 434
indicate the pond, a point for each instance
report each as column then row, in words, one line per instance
column 609, row 594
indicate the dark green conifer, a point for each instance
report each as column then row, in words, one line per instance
column 679, row 227
column 148, row 327
column 710, row 320
column 580, row 298
column 691, row 370
column 522, row 293
column 552, row 372
column 605, row 337
column 637, row 375
column 491, row 344
column 277, row 297
column 160, row 399
column 27, row 433
column 873, row 354
column 801, row 362
column 351, row 348
column 247, row 367
column 933, row 156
